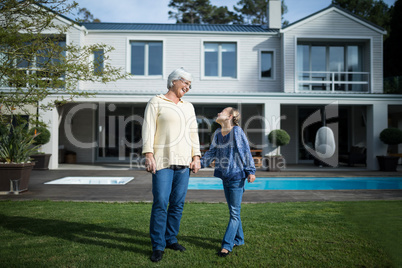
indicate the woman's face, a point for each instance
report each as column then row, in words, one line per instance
column 223, row 116
column 181, row 87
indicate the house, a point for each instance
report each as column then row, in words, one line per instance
column 277, row 77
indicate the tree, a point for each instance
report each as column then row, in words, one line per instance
column 255, row 11
column 201, row 11
column 392, row 46
column 36, row 60
column 84, row 15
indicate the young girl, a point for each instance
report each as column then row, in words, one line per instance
column 233, row 164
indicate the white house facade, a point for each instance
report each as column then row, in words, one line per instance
column 331, row 61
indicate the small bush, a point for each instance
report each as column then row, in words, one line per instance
column 43, row 137
column 278, row 137
column 391, row 136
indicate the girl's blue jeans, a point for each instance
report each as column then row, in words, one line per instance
column 169, row 187
column 234, row 233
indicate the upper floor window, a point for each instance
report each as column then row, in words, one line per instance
column 40, row 68
column 266, row 64
column 146, row 58
column 220, row 59
column 331, row 67
column 98, row 62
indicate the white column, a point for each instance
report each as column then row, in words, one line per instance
column 377, row 120
column 272, row 120
column 50, row 117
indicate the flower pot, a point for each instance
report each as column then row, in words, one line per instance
column 387, row 163
column 274, row 163
column 41, row 161
column 13, row 172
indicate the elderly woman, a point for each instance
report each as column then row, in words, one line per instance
column 171, row 148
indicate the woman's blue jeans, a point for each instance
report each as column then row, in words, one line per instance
column 234, row 233
column 169, row 187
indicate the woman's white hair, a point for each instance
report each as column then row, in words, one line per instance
column 176, row 75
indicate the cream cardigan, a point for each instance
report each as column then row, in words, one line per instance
column 170, row 132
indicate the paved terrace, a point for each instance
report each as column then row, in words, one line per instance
column 139, row 189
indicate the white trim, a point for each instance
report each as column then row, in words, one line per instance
column 273, row 70
column 324, row 12
column 128, row 56
column 202, row 61
column 371, row 90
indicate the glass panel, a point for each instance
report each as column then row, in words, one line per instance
column 354, row 64
column 318, row 63
column 155, row 58
column 337, row 64
column 266, row 64
column 98, row 61
column 211, row 59
column 337, row 59
column 137, row 58
column 303, row 63
column 229, row 62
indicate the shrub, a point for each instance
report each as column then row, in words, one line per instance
column 279, row 137
column 43, row 135
column 391, row 136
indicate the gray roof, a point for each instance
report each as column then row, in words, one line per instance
column 105, row 26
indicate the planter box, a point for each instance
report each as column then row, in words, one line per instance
column 387, row 163
column 274, row 163
column 41, row 161
column 10, row 172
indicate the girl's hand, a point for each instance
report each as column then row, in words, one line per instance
column 251, row 178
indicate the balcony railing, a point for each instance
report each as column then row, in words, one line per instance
column 348, row 82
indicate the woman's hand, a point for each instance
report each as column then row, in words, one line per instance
column 150, row 164
column 251, row 178
column 196, row 164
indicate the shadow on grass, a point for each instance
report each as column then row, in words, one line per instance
column 89, row 234
column 201, row 242
column 92, row 234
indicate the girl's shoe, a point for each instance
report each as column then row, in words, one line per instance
column 223, row 254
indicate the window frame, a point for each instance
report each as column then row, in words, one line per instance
column 128, row 58
column 273, row 73
column 219, row 41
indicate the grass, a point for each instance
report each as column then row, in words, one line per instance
column 308, row 234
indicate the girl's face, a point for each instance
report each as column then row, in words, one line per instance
column 224, row 116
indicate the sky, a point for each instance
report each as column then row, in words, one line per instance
column 156, row 11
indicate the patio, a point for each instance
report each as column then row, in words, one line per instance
column 139, row 189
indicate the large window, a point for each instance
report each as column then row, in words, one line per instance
column 37, row 68
column 266, row 64
column 323, row 67
column 220, row 59
column 146, row 58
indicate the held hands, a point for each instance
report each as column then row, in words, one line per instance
column 251, row 178
column 150, row 164
column 196, row 164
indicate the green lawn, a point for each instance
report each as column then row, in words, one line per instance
column 308, row 234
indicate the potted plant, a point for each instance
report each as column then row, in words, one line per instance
column 389, row 136
column 42, row 136
column 277, row 138
column 16, row 146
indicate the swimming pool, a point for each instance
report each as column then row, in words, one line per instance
column 301, row 183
